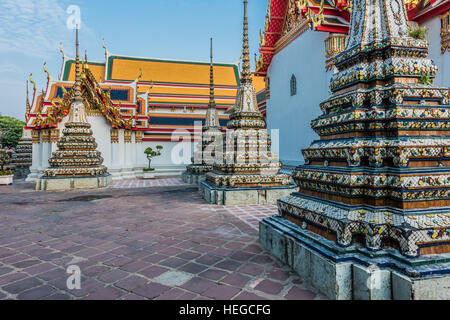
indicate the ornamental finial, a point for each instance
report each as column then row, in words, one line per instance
column 27, row 105
column 245, row 73
column 212, row 116
column 62, row 51
column 46, row 71
column 85, row 64
column 104, row 47
column 139, row 77
column 77, row 86
column 212, row 102
column 34, row 83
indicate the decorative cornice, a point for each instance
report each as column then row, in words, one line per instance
column 127, row 136
column 289, row 37
column 114, row 136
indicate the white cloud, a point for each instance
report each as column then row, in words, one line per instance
column 10, row 68
column 33, row 27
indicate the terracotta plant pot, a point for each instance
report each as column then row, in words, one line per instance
column 5, row 180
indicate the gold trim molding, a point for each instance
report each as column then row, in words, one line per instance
column 289, row 37
column 114, row 136
column 127, row 136
column 138, row 136
column 445, row 32
column 35, row 136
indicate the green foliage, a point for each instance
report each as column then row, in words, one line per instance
column 419, row 33
column 11, row 131
column 425, row 80
column 152, row 154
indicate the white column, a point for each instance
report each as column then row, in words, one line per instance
column 129, row 155
column 36, row 157
column 114, row 169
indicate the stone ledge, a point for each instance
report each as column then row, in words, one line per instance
column 62, row 184
column 350, row 276
column 192, row 178
column 247, row 196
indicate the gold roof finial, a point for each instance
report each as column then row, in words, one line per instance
column 34, row 83
column 46, row 71
column 139, row 77
column 104, row 47
column 61, row 50
column 245, row 73
column 86, row 65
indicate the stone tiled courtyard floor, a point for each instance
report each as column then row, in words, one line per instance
column 136, row 241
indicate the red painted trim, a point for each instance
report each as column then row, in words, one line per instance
column 444, row 7
column 334, row 29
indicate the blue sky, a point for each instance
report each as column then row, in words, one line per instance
column 31, row 30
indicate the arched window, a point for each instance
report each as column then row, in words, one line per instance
column 293, row 85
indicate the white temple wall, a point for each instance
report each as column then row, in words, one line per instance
column 305, row 58
column 123, row 160
column 171, row 160
column 442, row 61
column 101, row 133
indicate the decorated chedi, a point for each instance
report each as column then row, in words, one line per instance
column 245, row 170
column 77, row 164
column 22, row 158
column 211, row 133
column 372, row 217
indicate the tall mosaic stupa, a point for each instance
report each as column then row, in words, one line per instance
column 22, row 158
column 371, row 219
column 211, row 132
column 245, row 170
column 77, row 164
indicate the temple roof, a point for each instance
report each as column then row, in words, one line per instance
column 124, row 68
column 327, row 16
column 146, row 90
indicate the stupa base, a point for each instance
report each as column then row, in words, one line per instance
column 21, row 173
column 193, row 178
column 355, row 272
column 244, row 196
column 62, row 184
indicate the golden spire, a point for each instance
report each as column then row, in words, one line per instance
column 212, row 102
column 77, row 109
column 212, row 117
column 77, row 85
column 245, row 73
column 27, row 108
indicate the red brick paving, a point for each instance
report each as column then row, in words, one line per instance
column 126, row 236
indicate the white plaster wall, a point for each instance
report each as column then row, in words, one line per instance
column 167, row 158
column 441, row 60
column 305, row 58
column 130, row 157
column 101, row 130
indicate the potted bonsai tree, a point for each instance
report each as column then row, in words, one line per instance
column 149, row 172
column 6, row 174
